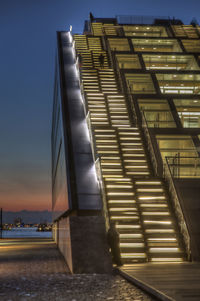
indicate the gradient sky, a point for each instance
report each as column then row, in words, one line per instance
column 27, row 51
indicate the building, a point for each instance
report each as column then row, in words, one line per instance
column 126, row 141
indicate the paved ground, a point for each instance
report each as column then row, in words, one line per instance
column 33, row 269
column 178, row 281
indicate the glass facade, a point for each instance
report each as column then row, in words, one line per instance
column 140, row 86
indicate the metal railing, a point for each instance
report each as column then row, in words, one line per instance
column 177, row 208
column 103, row 194
column 149, row 143
column 183, row 167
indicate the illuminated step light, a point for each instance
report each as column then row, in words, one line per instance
column 121, row 201
column 110, row 164
column 106, row 140
column 132, row 210
column 106, row 146
column 160, row 250
column 154, row 205
column 134, row 235
column 105, row 130
column 121, row 180
column 128, row 227
column 155, row 213
column 129, row 138
column 152, row 198
column 150, row 189
column 166, row 260
column 107, row 136
column 133, row 155
column 128, row 134
column 159, row 231
column 117, row 176
column 108, row 152
column 158, row 222
column 124, row 217
column 136, row 166
column 133, row 255
column 119, row 186
column 132, row 149
column 131, row 245
column 120, row 193
column 135, row 161
column 108, row 158
column 137, row 173
column 162, row 239
column 147, row 183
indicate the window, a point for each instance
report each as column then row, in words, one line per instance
column 144, row 31
column 187, row 31
column 119, row 44
column 189, row 112
column 128, row 61
column 156, row 45
column 140, row 83
column 157, row 113
column 176, row 145
column 170, row 62
column 179, row 83
column 191, row 45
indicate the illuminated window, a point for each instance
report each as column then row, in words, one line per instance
column 191, row 45
column 157, row 113
column 156, row 45
column 119, row 44
column 170, row 62
column 179, row 83
column 179, row 152
column 145, row 31
column 171, row 145
column 189, row 112
column 140, row 83
column 110, row 29
column 185, row 31
column 128, row 61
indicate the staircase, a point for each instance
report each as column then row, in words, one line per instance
column 136, row 200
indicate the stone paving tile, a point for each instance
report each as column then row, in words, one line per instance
column 35, row 270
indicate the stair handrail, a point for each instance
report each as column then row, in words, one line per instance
column 102, row 190
column 177, row 207
column 149, row 143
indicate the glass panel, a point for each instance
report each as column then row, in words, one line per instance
column 185, row 31
column 157, row 113
column 110, row 29
column 170, row 62
column 176, row 145
column 191, row 45
column 184, row 167
column 156, row 45
column 142, row 31
column 189, row 112
column 140, row 83
column 128, row 61
column 179, row 83
column 119, row 44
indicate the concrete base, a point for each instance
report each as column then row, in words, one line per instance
column 82, row 241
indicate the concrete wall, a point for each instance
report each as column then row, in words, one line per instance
column 82, row 241
column 189, row 195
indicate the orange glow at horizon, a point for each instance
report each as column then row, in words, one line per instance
column 20, row 202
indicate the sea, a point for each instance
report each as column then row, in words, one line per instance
column 25, row 232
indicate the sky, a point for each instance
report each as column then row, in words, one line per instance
column 27, row 55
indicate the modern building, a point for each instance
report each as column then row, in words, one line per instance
column 126, row 141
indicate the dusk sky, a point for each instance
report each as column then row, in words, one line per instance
column 27, row 54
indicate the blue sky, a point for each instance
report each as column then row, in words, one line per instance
column 27, row 51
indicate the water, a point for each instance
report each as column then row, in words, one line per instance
column 25, row 232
